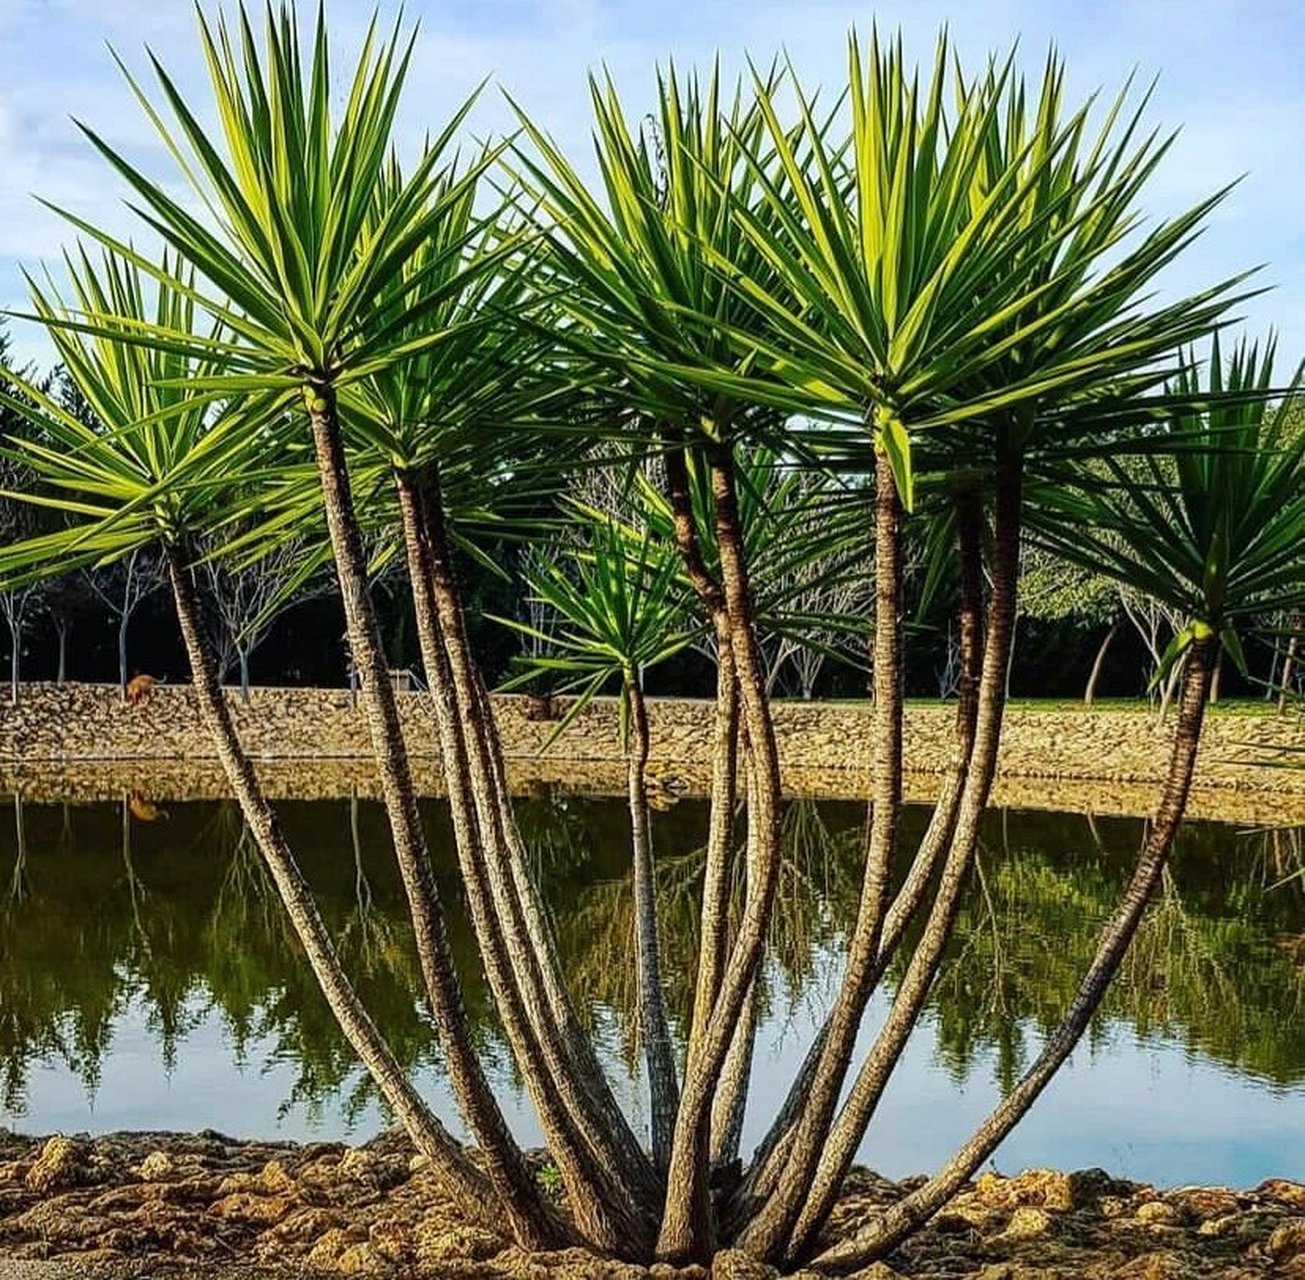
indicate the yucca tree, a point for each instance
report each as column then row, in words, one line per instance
column 950, row 284
column 1215, row 531
column 156, row 475
column 619, row 600
column 964, row 288
column 470, row 409
column 295, row 259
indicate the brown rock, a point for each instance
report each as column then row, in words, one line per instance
column 243, row 1206
column 1288, row 1240
column 273, row 1180
column 1026, row 1223
column 439, row 1241
column 1202, row 1203
column 363, row 1260
column 734, row 1264
column 158, row 1166
column 1156, row 1213
column 877, row 1271
column 1283, row 1191
column 61, row 1164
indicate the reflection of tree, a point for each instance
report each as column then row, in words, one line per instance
column 1212, row 967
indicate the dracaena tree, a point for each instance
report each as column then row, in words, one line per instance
column 150, row 472
column 936, row 290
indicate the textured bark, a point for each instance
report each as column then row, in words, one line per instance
column 713, row 931
column 601, row 1210
column 730, row 1103
column 454, row 1170
column 662, row 1083
column 505, row 1163
column 908, row 1214
column 687, row 1230
column 909, row 1001
column 1099, row 662
column 767, row 1233
column 622, row 1184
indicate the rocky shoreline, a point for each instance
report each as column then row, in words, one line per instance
column 207, row 1205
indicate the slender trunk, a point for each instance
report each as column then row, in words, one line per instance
column 714, row 920
column 505, row 1163
column 62, row 676
column 768, row 1231
column 456, row 1173
column 614, row 1181
column 730, row 1103
column 15, row 659
column 770, row 1155
column 122, row 653
column 913, row 991
column 662, row 1083
column 1289, row 663
column 687, row 1229
column 1217, row 679
column 1099, row 662
column 498, row 929
column 244, row 674
column 905, row 1216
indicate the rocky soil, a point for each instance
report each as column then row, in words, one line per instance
column 205, row 1205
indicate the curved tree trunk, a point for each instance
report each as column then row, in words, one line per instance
column 907, row 1215
column 662, row 1083
column 688, row 1230
column 1099, row 662
column 913, row 991
column 62, row 676
column 507, row 1167
column 620, row 1184
column 601, row 1205
column 767, row 1233
column 456, row 1173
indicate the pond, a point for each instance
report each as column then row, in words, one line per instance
column 148, row 979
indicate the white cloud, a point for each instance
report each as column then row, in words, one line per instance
column 1227, row 77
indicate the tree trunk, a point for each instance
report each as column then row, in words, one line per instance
column 770, row 1155
column 62, row 676
column 618, row 1185
column 1098, row 663
column 15, row 659
column 244, row 674
column 1217, row 679
column 767, row 1233
column 1289, row 663
column 605, row 1218
column 913, row 991
column 663, row 1085
column 907, row 1215
column 122, row 652
column 687, row 1230
column 456, row 1173
column 507, row 1167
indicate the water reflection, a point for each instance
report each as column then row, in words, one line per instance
column 148, row 976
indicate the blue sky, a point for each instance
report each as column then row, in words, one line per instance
column 1230, row 76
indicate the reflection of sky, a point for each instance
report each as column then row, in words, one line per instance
column 1144, row 1109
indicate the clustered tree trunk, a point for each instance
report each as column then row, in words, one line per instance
column 688, row 1193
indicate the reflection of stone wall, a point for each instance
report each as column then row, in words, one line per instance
column 73, row 723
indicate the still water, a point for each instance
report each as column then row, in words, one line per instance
column 149, row 981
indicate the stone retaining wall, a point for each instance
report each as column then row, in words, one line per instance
column 78, row 722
